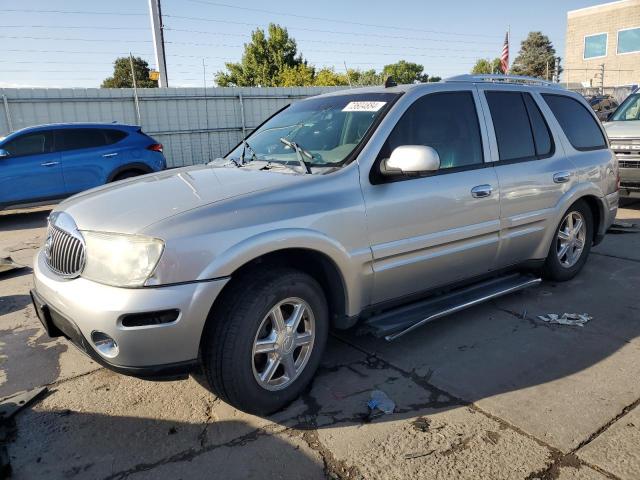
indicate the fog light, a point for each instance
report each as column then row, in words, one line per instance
column 106, row 345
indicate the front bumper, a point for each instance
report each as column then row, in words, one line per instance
column 630, row 182
column 79, row 306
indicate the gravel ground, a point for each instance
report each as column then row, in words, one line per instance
column 492, row 392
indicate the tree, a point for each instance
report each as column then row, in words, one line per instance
column 265, row 59
column 365, row 77
column 484, row 66
column 327, row 77
column 122, row 74
column 299, row 76
column 535, row 56
column 405, row 72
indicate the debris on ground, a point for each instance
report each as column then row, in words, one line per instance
column 7, row 264
column 380, row 404
column 572, row 319
column 410, row 456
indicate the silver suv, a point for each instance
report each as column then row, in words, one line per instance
column 623, row 128
column 387, row 207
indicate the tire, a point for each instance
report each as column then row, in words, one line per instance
column 246, row 317
column 562, row 268
column 127, row 174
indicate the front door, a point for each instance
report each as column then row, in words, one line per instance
column 433, row 230
column 31, row 172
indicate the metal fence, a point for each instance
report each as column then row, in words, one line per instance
column 195, row 125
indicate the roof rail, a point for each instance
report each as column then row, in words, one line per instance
column 517, row 79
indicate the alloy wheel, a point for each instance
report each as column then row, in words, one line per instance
column 571, row 239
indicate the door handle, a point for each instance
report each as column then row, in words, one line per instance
column 562, row 177
column 49, row 164
column 107, row 155
column 481, row 191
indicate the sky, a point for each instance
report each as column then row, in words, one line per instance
column 73, row 43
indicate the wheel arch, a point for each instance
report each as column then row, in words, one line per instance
column 129, row 167
column 315, row 263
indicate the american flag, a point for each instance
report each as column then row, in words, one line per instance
column 504, row 57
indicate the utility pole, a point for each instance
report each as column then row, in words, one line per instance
column 556, row 70
column 135, row 89
column 158, row 41
column 602, row 79
column 547, row 78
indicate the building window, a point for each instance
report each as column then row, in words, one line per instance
column 629, row 40
column 595, row 45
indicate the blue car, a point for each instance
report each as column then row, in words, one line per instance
column 39, row 165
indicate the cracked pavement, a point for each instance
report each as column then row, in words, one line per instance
column 491, row 392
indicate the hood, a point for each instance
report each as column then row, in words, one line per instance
column 132, row 205
column 625, row 129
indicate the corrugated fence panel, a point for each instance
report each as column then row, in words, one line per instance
column 195, row 125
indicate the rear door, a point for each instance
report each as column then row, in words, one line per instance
column 88, row 157
column 433, row 230
column 31, row 172
column 533, row 170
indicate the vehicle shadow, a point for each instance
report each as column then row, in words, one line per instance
column 13, row 303
column 114, row 447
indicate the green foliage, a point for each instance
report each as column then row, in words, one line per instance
column 486, row 66
column 272, row 60
column 536, row 52
column 405, row 72
column 264, row 61
column 122, row 74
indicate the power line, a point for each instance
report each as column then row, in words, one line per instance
column 71, row 12
column 19, row 50
column 103, row 40
column 253, row 25
column 335, row 20
column 323, row 41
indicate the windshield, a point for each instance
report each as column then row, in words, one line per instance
column 628, row 110
column 322, row 132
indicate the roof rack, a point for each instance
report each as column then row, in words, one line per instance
column 516, row 79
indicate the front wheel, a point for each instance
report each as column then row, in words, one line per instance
column 263, row 343
column 571, row 244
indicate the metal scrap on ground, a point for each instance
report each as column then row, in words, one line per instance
column 573, row 319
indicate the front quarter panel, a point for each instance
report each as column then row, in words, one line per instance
column 323, row 213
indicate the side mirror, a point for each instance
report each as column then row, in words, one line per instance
column 3, row 153
column 411, row 160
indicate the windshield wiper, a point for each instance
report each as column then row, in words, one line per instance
column 300, row 152
column 246, row 147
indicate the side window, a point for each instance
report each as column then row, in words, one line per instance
column 521, row 131
column 29, row 144
column 77, row 138
column 577, row 123
column 539, row 127
column 447, row 122
column 114, row 136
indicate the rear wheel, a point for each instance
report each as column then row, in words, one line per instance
column 571, row 244
column 263, row 344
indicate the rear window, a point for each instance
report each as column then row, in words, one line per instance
column 576, row 121
column 114, row 136
column 78, row 138
column 521, row 131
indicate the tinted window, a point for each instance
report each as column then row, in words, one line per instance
column 114, row 136
column 29, row 144
column 540, row 129
column 576, row 121
column 511, row 124
column 76, row 138
column 447, row 122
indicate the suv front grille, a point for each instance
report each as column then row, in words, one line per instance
column 628, row 152
column 64, row 252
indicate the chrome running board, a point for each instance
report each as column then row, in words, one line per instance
column 399, row 321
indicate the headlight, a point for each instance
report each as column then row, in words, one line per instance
column 120, row 260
